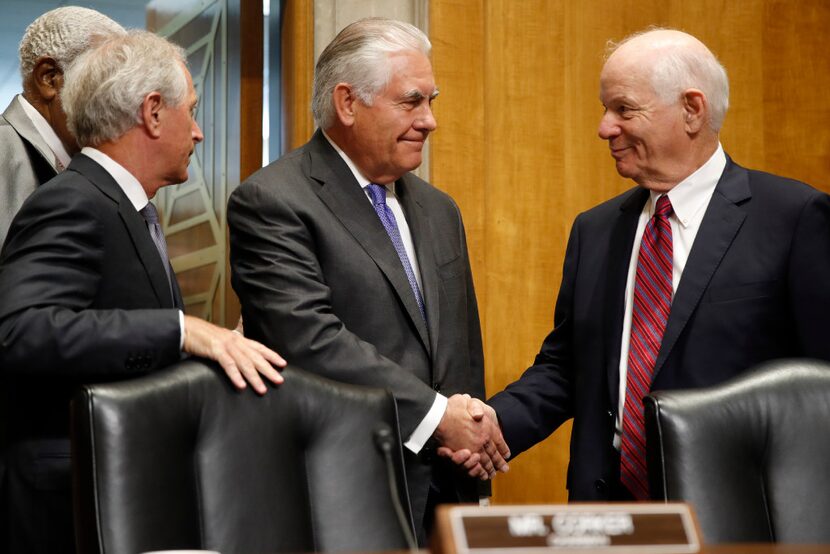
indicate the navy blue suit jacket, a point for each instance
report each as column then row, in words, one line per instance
column 756, row 286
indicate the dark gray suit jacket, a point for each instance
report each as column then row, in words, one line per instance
column 83, row 298
column 26, row 161
column 756, row 287
column 321, row 283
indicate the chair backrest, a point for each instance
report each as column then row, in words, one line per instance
column 751, row 455
column 179, row 459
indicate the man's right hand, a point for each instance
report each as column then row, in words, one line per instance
column 243, row 360
column 470, row 435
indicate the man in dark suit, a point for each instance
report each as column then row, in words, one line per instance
column 87, row 293
column 34, row 141
column 699, row 273
column 365, row 263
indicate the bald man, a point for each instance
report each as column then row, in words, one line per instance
column 701, row 271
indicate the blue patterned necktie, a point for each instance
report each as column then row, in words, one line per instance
column 649, row 315
column 378, row 194
column 151, row 216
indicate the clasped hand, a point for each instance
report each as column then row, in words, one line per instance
column 470, row 436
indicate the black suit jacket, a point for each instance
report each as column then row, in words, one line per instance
column 83, row 298
column 25, row 163
column 321, row 283
column 755, row 287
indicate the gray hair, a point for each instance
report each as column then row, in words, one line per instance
column 358, row 56
column 63, row 34
column 106, row 85
column 679, row 67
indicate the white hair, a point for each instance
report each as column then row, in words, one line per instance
column 106, row 85
column 358, row 55
column 679, row 67
column 63, row 34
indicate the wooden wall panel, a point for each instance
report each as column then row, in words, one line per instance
column 796, row 54
column 297, row 71
column 462, row 84
column 523, row 163
column 517, row 145
column 251, row 54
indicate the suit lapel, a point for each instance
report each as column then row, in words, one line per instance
column 622, row 240
column 344, row 197
column 133, row 222
column 24, row 127
column 418, row 220
column 721, row 222
column 178, row 300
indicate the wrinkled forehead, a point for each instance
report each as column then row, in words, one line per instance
column 626, row 72
column 634, row 57
column 411, row 70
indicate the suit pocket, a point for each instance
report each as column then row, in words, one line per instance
column 746, row 291
column 452, row 268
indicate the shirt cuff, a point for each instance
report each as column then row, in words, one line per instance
column 181, row 330
column 427, row 427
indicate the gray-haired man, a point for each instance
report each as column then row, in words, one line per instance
column 357, row 269
column 86, row 290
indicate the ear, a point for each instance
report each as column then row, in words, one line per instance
column 696, row 110
column 150, row 114
column 345, row 102
column 47, row 78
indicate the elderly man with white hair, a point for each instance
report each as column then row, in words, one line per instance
column 697, row 274
column 87, row 293
column 35, row 143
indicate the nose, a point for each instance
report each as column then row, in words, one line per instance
column 196, row 132
column 426, row 121
column 608, row 127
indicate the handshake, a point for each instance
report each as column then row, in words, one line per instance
column 469, row 435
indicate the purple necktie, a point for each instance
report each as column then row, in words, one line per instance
column 151, row 216
column 378, row 194
column 650, row 312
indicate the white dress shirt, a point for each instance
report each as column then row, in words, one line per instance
column 427, row 427
column 689, row 200
column 135, row 194
column 49, row 136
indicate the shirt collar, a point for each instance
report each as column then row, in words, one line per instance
column 361, row 180
column 693, row 193
column 128, row 183
column 45, row 130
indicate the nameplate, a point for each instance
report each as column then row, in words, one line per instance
column 617, row 528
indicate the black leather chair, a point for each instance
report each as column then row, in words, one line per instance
column 179, row 459
column 751, row 455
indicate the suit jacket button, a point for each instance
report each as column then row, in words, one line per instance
column 601, row 486
column 610, row 414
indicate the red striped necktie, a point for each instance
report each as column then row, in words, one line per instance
column 650, row 312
